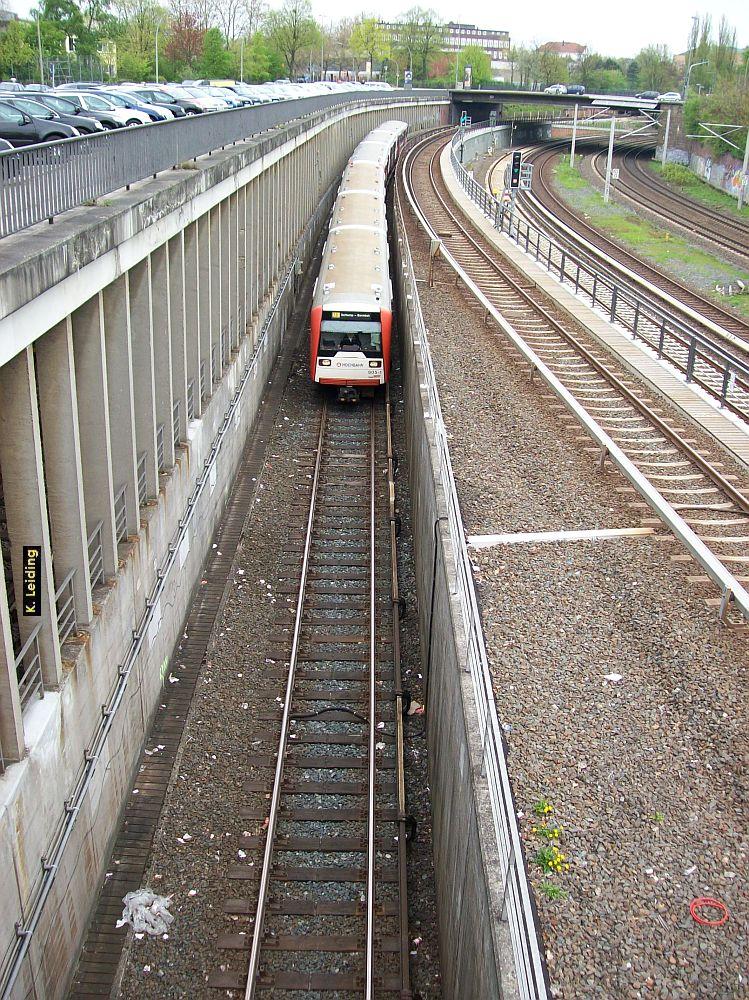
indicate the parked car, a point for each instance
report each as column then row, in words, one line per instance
column 575, row 88
column 36, row 109
column 21, row 129
column 647, row 95
column 205, row 100
column 68, row 104
column 96, row 102
column 670, row 97
column 121, row 99
column 10, row 85
column 153, row 96
column 556, row 88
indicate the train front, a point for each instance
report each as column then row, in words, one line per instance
column 350, row 348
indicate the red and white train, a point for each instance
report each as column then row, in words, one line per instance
column 351, row 317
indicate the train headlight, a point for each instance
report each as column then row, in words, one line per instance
column 325, row 362
column 375, row 364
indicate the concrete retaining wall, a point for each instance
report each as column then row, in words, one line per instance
column 50, row 274
column 475, row 951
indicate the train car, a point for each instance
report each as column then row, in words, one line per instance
column 351, row 317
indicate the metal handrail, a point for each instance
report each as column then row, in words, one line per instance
column 67, row 623
column 191, row 400
column 176, row 411
column 142, row 480
column 202, row 381
column 718, row 372
column 120, row 514
column 40, row 182
column 29, row 674
column 160, row 447
column 96, row 556
column 516, row 895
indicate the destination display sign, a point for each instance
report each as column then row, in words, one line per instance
column 341, row 314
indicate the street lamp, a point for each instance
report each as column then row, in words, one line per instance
column 241, row 60
column 704, row 62
column 158, row 26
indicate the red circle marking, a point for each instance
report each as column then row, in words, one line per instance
column 707, row 901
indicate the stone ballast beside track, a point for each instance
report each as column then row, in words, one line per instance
column 642, row 770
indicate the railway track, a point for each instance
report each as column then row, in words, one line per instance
column 698, row 306
column 325, row 906
column 712, row 503
column 639, row 184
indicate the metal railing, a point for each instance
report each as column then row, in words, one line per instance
column 65, row 603
column 29, row 669
column 160, row 447
column 215, row 370
column 517, row 906
column 191, row 400
column 176, row 412
column 203, row 394
column 142, row 481
column 40, row 182
column 702, row 361
column 96, row 556
column 120, row 515
column 225, row 353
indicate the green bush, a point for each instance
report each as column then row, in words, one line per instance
column 675, row 173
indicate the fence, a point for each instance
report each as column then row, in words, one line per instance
column 29, row 669
column 40, row 182
column 65, row 604
column 517, row 906
column 713, row 368
column 96, row 556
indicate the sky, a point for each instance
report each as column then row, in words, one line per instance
column 610, row 27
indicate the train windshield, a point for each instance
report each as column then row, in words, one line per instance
column 355, row 335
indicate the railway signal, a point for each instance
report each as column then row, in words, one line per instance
column 517, row 157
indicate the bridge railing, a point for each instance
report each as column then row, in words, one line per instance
column 721, row 374
column 39, row 182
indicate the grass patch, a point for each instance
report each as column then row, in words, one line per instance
column 685, row 182
column 658, row 246
column 551, row 891
column 569, row 177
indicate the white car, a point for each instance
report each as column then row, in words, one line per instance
column 93, row 102
column 670, row 97
column 556, row 88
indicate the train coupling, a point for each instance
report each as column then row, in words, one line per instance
column 348, row 394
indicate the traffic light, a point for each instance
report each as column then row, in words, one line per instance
column 515, row 169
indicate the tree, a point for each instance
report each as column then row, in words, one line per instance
column 291, row 30
column 552, row 68
column 421, row 37
column 215, row 61
column 260, row 63
column 480, row 63
column 368, row 40
column 185, row 42
column 16, row 55
column 656, row 69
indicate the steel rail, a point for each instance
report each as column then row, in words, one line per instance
column 398, row 681
column 269, row 850
column 731, row 590
column 625, row 269
column 639, row 185
column 734, row 495
column 372, row 763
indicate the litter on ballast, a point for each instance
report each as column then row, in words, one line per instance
column 146, row 912
column 614, row 678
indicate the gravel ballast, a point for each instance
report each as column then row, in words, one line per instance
column 644, row 771
column 201, row 825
